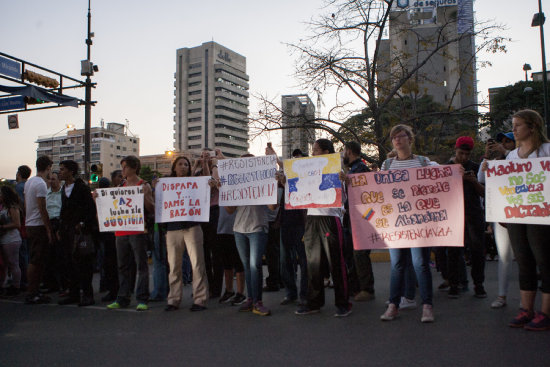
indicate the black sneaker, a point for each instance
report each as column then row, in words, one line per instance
column 342, row 311
column 68, row 301
column 238, row 299
column 453, row 292
column 305, row 310
column 195, row 307
column 226, row 298
column 37, row 299
column 443, row 286
column 480, row 291
column 288, row 301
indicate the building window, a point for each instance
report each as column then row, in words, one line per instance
column 193, row 110
column 194, row 84
column 194, row 146
column 195, row 137
column 194, row 128
column 195, row 92
column 194, row 119
column 195, row 101
column 118, row 147
column 195, row 65
column 194, row 75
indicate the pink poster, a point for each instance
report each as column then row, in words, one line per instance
column 414, row 207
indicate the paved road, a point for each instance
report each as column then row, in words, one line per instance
column 466, row 333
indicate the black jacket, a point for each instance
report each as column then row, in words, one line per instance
column 77, row 208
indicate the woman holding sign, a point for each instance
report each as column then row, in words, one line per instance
column 180, row 236
column 530, row 241
column 402, row 138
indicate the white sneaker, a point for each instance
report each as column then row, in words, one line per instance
column 407, row 303
column 499, row 302
column 427, row 314
column 391, row 313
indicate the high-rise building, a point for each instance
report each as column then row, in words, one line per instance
column 297, row 110
column 211, row 100
column 108, row 146
column 416, row 30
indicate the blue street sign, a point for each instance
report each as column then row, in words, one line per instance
column 12, row 103
column 10, row 68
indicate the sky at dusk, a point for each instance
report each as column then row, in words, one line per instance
column 135, row 47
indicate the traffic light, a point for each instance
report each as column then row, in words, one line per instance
column 40, row 79
column 96, row 172
column 30, row 100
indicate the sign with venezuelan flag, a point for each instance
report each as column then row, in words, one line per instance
column 313, row 182
column 414, row 207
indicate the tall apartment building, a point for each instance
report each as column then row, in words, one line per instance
column 297, row 109
column 211, row 100
column 108, row 146
column 415, row 27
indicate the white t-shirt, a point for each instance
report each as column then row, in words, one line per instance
column 35, row 188
column 543, row 151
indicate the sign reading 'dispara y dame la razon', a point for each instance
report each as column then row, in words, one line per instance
column 517, row 191
column 248, row 181
column 120, row 209
column 182, row 199
column 414, row 207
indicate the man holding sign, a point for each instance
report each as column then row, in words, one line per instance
column 128, row 242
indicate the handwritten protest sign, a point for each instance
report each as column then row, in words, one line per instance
column 120, row 209
column 182, row 199
column 313, row 182
column 414, row 207
column 517, row 191
column 248, row 181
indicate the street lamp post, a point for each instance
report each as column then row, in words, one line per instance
column 526, row 68
column 88, row 105
column 538, row 21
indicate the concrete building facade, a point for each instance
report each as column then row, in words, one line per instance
column 211, row 100
column 415, row 28
column 297, row 109
column 108, row 146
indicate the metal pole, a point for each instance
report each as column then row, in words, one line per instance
column 544, row 76
column 88, row 106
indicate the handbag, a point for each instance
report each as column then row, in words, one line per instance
column 84, row 244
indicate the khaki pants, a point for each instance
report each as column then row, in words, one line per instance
column 176, row 243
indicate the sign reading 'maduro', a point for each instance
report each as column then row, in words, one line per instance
column 414, row 207
column 517, row 191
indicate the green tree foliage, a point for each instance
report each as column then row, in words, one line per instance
column 147, row 174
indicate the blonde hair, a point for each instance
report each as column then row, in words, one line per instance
column 535, row 122
column 401, row 127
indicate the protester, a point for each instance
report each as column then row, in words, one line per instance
column 499, row 149
column 250, row 230
column 474, row 223
column 10, row 239
column 530, row 241
column 402, row 139
column 54, row 271
column 362, row 266
column 39, row 232
column 133, row 242
column 78, row 216
column 293, row 252
column 21, row 177
column 107, row 242
column 324, row 242
column 181, row 236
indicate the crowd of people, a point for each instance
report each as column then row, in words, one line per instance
column 50, row 240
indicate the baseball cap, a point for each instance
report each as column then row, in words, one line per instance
column 509, row 135
column 465, row 141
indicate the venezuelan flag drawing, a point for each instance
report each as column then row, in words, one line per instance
column 368, row 214
column 313, row 182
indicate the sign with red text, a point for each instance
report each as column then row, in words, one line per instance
column 120, row 209
column 414, row 207
column 248, row 181
column 517, row 191
column 182, row 199
column 313, row 182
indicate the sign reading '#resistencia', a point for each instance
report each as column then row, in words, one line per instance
column 414, row 207
column 518, row 191
column 248, row 181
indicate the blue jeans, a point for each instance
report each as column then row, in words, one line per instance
column 293, row 253
column 126, row 246
column 420, row 258
column 160, row 268
column 251, row 247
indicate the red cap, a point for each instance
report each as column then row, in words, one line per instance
column 465, row 141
